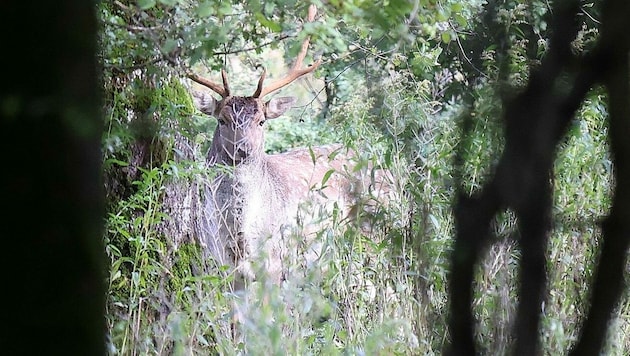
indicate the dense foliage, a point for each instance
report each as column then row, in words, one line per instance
column 414, row 86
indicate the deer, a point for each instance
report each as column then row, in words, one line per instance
column 253, row 206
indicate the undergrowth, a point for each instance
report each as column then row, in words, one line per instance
column 383, row 293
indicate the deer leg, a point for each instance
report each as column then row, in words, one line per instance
column 238, row 288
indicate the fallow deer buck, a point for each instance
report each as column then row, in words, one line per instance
column 253, row 208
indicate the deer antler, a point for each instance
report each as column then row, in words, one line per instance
column 223, row 90
column 296, row 71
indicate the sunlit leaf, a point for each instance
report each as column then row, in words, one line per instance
column 446, row 37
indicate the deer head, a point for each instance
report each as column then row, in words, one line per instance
column 239, row 135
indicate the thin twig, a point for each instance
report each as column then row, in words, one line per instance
column 248, row 49
column 461, row 49
column 132, row 28
column 589, row 15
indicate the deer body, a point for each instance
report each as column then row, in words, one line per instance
column 252, row 208
column 253, row 211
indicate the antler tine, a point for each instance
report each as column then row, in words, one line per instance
column 226, row 87
column 222, row 90
column 296, row 70
column 259, row 88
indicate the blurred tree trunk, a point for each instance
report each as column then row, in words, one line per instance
column 53, row 286
column 536, row 120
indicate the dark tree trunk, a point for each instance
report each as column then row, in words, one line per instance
column 609, row 276
column 535, row 122
column 51, row 221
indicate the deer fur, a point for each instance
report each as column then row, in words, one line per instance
column 253, row 209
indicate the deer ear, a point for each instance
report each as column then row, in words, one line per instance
column 278, row 106
column 206, row 103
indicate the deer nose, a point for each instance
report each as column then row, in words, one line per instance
column 241, row 153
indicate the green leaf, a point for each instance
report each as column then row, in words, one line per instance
column 461, row 20
column 169, row 2
column 446, row 37
column 388, row 158
column 274, row 27
column 205, row 9
column 112, row 161
column 146, row 4
column 225, row 8
column 169, row 46
column 327, row 176
column 442, row 16
column 269, row 7
column 312, row 154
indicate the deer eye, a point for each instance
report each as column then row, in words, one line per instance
column 261, row 122
column 221, row 122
